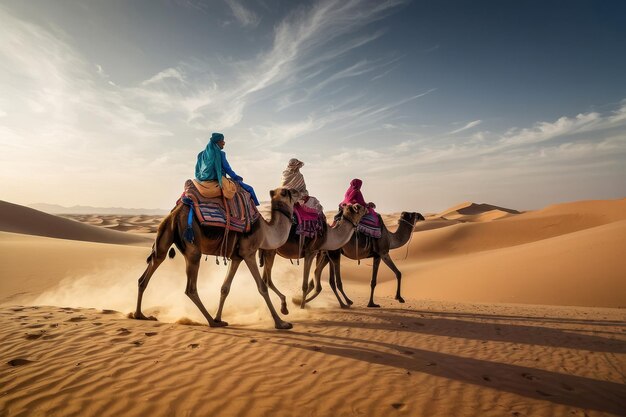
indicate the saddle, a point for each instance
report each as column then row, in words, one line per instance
column 370, row 224
column 238, row 213
column 309, row 222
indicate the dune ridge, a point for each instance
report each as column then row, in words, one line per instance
column 19, row 219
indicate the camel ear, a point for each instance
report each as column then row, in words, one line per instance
column 290, row 194
column 272, row 193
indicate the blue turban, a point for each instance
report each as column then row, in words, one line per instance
column 216, row 137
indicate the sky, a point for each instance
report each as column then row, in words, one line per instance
column 430, row 103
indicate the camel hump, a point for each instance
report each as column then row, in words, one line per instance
column 172, row 253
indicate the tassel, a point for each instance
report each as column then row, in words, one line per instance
column 217, row 261
column 188, row 235
column 206, row 258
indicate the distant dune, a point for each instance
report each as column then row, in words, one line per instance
column 565, row 254
column 473, row 212
column 19, row 219
column 57, row 209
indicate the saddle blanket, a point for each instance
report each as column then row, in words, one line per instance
column 241, row 215
column 308, row 221
column 370, row 225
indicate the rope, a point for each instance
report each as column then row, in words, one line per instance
column 356, row 235
column 300, row 245
column 408, row 244
column 224, row 245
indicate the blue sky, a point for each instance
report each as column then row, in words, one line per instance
column 522, row 105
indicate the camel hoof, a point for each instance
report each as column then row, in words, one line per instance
column 218, row 323
column 344, row 306
column 283, row 325
column 372, row 305
column 349, row 302
column 140, row 316
column 284, row 309
column 400, row 299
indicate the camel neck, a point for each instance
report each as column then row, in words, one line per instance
column 338, row 236
column 276, row 232
column 401, row 236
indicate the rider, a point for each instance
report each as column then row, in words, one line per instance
column 354, row 196
column 293, row 179
column 213, row 165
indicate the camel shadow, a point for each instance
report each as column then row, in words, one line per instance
column 571, row 390
column 494, row 330
column 527, row 381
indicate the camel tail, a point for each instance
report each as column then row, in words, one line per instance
column 171, row 253
column 261, row 258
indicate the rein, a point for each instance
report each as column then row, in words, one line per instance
column 411, row 236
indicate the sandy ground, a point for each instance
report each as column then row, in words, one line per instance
column 507, row 314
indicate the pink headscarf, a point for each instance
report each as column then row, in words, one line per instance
column 353, row 195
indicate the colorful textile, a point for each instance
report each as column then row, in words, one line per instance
column 310, row 223
column 370, row 225
column 242, row 213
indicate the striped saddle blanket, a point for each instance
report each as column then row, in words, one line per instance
column 239, row 212
column 370, row 225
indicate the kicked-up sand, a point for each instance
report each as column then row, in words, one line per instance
column 507, row 314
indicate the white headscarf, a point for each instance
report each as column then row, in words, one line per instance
column 292, row 178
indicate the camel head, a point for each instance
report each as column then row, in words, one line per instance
column 410, row 217
column 284, row 199
column 354, row 213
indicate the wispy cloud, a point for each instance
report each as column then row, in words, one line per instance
column 244, row 16
column 466, row 127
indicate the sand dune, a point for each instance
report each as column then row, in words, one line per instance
column 19, row 219
column 65, row 352
column 473, row 212
column 424, row 359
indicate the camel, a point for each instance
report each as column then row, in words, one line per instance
column 361, row 247
column 332, row 238
column 208, row 241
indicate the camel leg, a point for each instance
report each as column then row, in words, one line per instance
column 269, row 256
column 308, row 261
column 340, row 288
column 193, row 264
column 162, row 243
column 232, row 270
column 155, row 261
column 278, row 322
column 387, row 260
column 373, row 281
column 335, row 275
column 319, row 267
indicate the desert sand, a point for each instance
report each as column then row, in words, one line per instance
column 507, row 314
